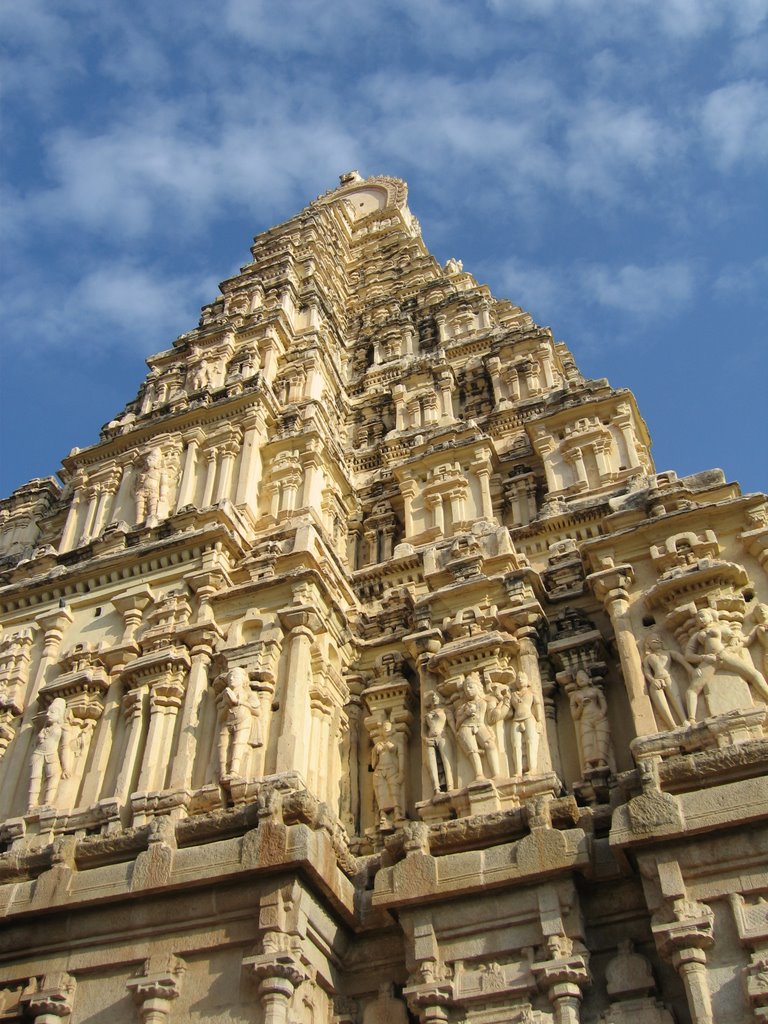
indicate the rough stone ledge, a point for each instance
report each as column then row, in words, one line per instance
column 423, row 878
column 656, row 816
column 270, row 848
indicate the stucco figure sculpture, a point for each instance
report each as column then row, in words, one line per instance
column 759, row 635
column 709, row 650
column 388, row 775
column 148, row 482
column 474, row 736
column 51, row 759
column 590, row 714
column 657, row 663
column 238, row 717
column 526, row 726
column 434, row 723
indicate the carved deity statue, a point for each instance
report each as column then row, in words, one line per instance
column 759, row 635
column 238, row 723
column 148, row 482
column 590, row 714
column 657, row 663
column 526, row 726
column 472, row 732
column 715, row 647
column 387, row 765
column 51, row 758
column 434, row 722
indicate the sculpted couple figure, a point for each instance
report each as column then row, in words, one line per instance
column 475, row 718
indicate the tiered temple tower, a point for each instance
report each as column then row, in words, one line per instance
column 367, row 671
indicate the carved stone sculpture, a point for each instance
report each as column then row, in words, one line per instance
column 51, row 758
column 435, row 720
column 387, row 764
column 759, row 635
column 147, row 488
column 474, row 736
column 238, row 723
column 657, row 663
column 590, row 714
column 526, row 726
column 710, row 649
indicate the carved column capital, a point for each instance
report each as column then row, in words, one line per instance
column 611, row 586
column 53, row 1000
column 156, row 987
column 277, row 975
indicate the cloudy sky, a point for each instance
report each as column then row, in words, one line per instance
column 602, row 164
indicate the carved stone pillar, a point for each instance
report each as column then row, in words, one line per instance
column 162, row 673
column 494, row 372
column 482, row 470
column 611, row 587
column 445, row 383
column 53, row 1000
column 197, row 684
column 302, row 623
column 602, row 449
column 398, row 397
column 442, row 327
column 575, row 458
column 107, row 491
column 434, row 502
column 155, row 988
column 188, row 486
column 512, row 378
column 91, row 495
column 53, row 623
column 683, row 930
column 73, row 516
column 563, row 980
column 212, row 457
column 408, row 490
column 544, row 354
column 431, row 1003
column 277, row 980
column 313, row 478
column 684, row 943
column 228, row 452
column 250, row 462
column 15, row 654
column 430, row 408
column 132, row 709
column 165, row 697
column 457, row 498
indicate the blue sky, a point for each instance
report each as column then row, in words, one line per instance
column 602, row 164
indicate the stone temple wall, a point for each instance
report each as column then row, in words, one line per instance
column 367, row 671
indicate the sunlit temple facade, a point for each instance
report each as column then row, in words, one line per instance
column 367, row 671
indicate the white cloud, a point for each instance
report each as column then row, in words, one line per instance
column 607, row 140
column 640, row 290
column 744, row 279
column 734, row 120
column 541, row 291
column 114, row 305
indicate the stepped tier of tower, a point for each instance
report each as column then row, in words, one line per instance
column 367, row 662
